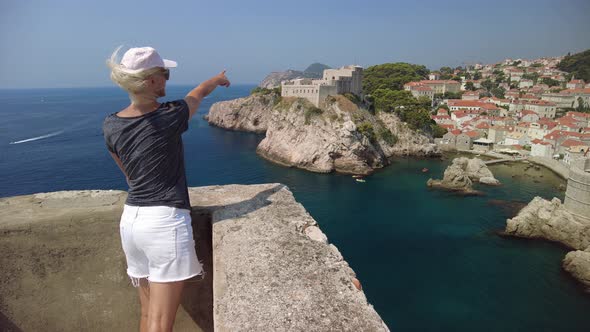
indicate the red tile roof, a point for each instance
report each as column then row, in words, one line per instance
column 572, row 142
column 526, row 112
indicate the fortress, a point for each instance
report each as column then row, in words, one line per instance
column 347, row 79
column 577, row 195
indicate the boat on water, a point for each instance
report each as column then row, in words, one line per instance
column 356, row 176
column 361, row 180
column 424, row 170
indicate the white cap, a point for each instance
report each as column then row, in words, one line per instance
column 141, row 58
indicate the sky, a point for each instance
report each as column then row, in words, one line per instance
column 65, row 43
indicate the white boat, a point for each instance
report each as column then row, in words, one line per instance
column 360, row 180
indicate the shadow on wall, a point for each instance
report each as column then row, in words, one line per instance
column 197, row 298
column 6, row 325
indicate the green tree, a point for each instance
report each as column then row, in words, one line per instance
column 531, row 76
column 366, row 129
column 488, row 84
column 549, row 81
column 470, row 86
column 392, row 76
column 477, row 76
column 498, row 92
column 424, row 102
column 577, row 64
column 418, row 119
column 437, row 131
column 387, row 100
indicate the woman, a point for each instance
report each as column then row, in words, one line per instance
column 145, row 141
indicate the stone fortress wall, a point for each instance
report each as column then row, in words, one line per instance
column 577, row 195
column 347, row 79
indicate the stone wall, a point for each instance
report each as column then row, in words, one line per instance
column 577, row 195
column 268, row 266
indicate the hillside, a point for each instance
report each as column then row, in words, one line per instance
column 578, row 64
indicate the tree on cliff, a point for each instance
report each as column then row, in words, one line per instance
column 577, row 64
column 392, row 76
column 409, row 109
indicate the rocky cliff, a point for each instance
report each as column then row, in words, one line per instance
column 461, row 173
column 338, row 137
column 551, row 221
column 244, row 114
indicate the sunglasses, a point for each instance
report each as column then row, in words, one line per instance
column 166, row 73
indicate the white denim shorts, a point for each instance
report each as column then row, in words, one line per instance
column 158, row 244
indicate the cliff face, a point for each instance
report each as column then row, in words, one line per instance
column 245, row 114
column 339, row 137
column 550, row 220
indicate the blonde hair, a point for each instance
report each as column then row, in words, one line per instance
column 133, row 83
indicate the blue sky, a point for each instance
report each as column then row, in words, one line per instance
column 64, row 43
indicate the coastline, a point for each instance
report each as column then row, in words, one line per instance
column 552, row 165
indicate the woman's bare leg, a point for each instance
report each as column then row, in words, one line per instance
column 164, row 301
column 144, row 299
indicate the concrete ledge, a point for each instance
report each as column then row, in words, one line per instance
column 269, row 273
column 271, row 268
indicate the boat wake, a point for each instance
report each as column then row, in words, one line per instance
column 38, row 137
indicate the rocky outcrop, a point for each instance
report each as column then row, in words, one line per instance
column 461, row 173
column 550, row 220
column 244, row 114
column 477, row 170
column 322, row 140
column 338, row 137
column 271, row 267
column 577, row 263
column 409, row 142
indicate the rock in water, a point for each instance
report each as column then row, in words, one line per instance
column 550, row 220
column 577, row 263
column 489, row 180
column 477, row 169
column 459, row 176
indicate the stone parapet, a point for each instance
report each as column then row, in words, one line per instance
column 269, row 267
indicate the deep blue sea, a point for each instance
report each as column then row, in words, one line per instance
column 427, row 260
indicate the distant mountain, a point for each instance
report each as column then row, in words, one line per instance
column 274, row 79
column 577, row 64
column 317, row 68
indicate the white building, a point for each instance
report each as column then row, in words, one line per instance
column 545, row 109
column 516, row 138
column 346, row 79
column 541, row 148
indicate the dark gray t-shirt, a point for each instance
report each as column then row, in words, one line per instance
column 151, row 151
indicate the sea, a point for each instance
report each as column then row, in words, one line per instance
column 428, row 260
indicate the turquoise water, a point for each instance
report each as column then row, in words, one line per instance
column 428, row 260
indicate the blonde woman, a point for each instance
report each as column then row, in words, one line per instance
column 145, row 141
